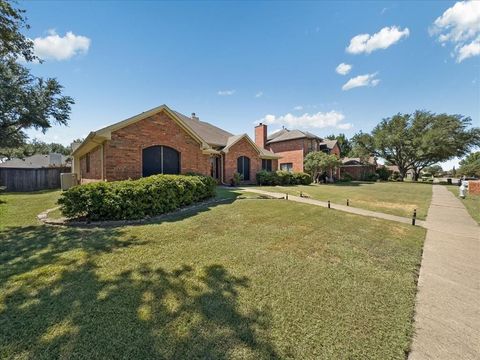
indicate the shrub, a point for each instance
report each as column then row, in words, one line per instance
column 283, row 178
column 383, row 173
column 346, row 177
column 135, row 199
column 236, row 179
column 371, row 177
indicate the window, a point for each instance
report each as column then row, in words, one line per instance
column 160, row 160
column 87, row 162
column 243, row 167
column 267, row 164
column 286, row 167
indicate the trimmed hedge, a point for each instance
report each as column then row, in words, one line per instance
column 135, row 199
column 283, row 178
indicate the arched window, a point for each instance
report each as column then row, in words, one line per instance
column 160, row 159
column 243, row 167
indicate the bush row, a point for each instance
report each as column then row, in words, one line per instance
column 283, row 178
column 135, row 199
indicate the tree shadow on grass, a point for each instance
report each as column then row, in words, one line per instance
column 59, row 300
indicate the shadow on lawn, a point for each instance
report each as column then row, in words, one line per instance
column 57, row 301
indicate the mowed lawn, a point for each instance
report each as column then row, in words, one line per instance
column 471, row 202
column 249, row 279
column 396, row 198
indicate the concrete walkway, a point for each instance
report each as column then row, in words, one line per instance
column 349, row 209
column 447, row 319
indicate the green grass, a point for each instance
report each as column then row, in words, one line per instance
column 471, row 202
column 394, row 198
column 248, row 279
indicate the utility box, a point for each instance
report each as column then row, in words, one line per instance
column 67, row 180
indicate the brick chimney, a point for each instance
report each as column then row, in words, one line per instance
column 261, row 135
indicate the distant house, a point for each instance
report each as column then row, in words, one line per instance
column 293, row 145
column 394, row 168
column 36, row 172
column 37, row 161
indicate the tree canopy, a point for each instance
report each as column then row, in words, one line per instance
column 415, row 141
column 26, row 101
column 317, row 162
column 470, row 166
column 34, row 147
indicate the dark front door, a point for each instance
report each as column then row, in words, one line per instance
column 160, row 160
column 243, row 167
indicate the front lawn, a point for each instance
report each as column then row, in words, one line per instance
column 248, row 279
column 471, row 202
column 394, row 198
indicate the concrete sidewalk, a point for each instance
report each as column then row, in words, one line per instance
column 447, row 312
column 349, row 209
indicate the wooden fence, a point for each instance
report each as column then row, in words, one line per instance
column 24, row 179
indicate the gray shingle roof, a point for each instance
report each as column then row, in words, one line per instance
column 285, row 134
column 329, row 143
column 36, row 161
column 208, row 132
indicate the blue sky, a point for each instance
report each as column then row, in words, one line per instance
column 237, row 63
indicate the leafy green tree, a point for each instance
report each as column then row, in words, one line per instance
column 26, row 101
column 470, row 166
column 433, row 170
column 13, row 44
column 35, row 147
column 343, row 142
column 415, row 141
column 317, row 162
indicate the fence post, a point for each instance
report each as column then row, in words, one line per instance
column 348, row 202
column 286, row 196
column 414, row 217
column 329, row 204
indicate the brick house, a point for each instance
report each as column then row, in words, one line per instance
column 293, row 145
column 162, row 140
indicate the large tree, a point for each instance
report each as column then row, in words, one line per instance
column 470, row 166
column 26, row 101
column 415, row 141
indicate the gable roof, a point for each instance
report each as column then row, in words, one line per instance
column 213, row 135
column 330, row 144
column 208, row 136
column 285, row 135
column 264, row 153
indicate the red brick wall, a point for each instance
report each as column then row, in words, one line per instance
column 123, row 153
column 473, row 187
column 242, row 148
column 335, row 150
column 291, row 151
column 95, row 172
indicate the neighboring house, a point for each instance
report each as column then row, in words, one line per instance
column 36, row 172
column 357, row 169
column 293, row 145
column 162, row 140
column 37, row 161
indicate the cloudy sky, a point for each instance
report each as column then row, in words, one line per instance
column 328, row 67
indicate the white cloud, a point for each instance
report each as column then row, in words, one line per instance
column 298, row 107
column 460, row 25
column 316, row 120
column 383, row 39
column 259, row 94
column 361, row 80
column 343, row 69
column 226, row 92
column 57, row 47
column 469, row 50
